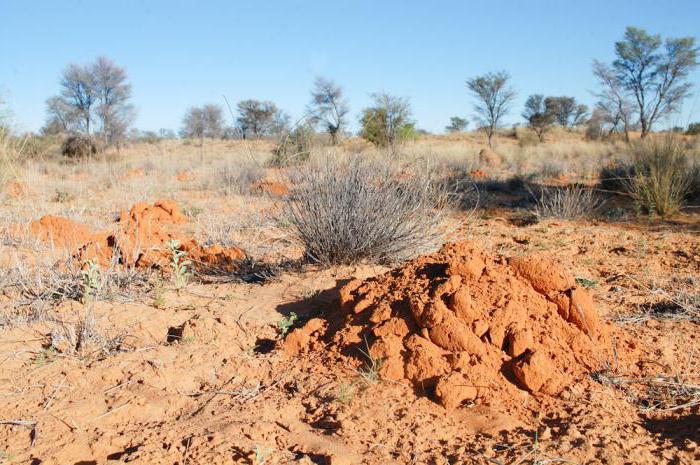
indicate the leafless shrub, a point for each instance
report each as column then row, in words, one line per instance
column 81, row 336
column 570, row 202
column 347, row 211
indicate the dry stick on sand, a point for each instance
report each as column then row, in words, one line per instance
column 31, row 424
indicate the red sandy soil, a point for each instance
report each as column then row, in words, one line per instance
column 204, row 378
column 273, row 188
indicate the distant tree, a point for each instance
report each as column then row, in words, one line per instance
column 328, row 107
column 457, row 124
column 566, row 111
column 494, row 96
column 538, row 116
column 654, row 73
column 60, row 117
column 94, row 98
column 614, row 105
column 114, row 112
column 693, row 129
column 258, row 118
column 388, row 122
column 79, row 93
column 200, row 122
column 165, row 133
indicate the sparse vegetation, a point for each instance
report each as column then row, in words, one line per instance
column 353, row 210
column 662, row 176
column 570, row 202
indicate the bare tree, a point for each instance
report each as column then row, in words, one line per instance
column 654, row 73
column 538, row 116
column 205, row 121
column 260, row 118
column 60, row 117
column 78, row 91
column 328, row 107
column 457, row 124
column 494, row 97
column 614, row 103
column 113, row 93
column 93, row 98
column 388, row 121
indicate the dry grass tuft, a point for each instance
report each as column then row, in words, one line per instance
column 353, row 210
column 571, row 202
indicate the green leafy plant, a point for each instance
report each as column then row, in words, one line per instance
column 262, row 453
column 90, row 275
column 179, row 263
column 287, row 323
column 585, row 282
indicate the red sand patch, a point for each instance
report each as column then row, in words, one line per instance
column 16, row 189
column 273, row 188
column 184, row 176
column 139, row 238
column 471, row 327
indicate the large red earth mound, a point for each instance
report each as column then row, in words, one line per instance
column 139, row 238
column 467, row 326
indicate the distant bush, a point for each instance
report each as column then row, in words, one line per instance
column 526, row 138
column 348, row 211
column 293, row 147
column 663, row 176
column 570, row 202
column 693, row 129
column 79, row 146
column 238, row 178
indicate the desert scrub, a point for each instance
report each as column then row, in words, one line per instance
column 355, row 209
column 238, row 178
column 570, row 203
column 662, row 177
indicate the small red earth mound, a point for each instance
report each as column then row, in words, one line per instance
column 139, row 238
column 477, row 174
column 469, row 326
column 273, row 188
column 184, row 176
column 60, row 231
column 16, row 189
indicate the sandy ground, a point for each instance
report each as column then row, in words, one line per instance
column 199, row 375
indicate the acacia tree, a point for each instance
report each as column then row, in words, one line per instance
column 538, row 116
column 328, row 107
column 388, row 122
column 615, row 107
column 78, row 92
column 494, row 95
column 114, row 112
column 260, row 118
column 566, row 111
column 457, row 124
column 94, row 98
column 205, row 121
column 653, row 73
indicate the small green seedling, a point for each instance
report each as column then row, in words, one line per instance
column 179, row 263
column 261, row 454
column 90, row 280
column 585, row 282
column 285, row 324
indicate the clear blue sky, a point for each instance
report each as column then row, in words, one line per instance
column 182, row 53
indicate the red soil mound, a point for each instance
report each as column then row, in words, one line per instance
column 140, row 238
column 471, row 327
column 61, row 232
